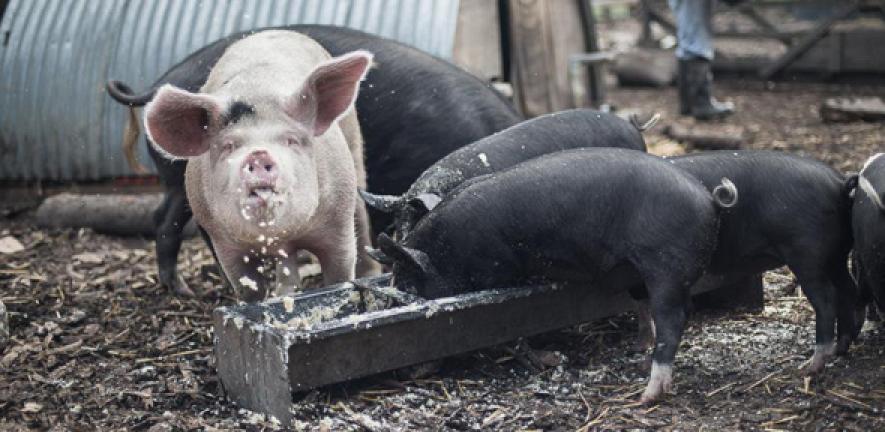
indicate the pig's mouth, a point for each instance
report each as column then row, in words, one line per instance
column 264, row 193
column 260, row 195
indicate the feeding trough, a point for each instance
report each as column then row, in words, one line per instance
column 267, row 351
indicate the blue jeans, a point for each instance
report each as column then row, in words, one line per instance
column 694, row 28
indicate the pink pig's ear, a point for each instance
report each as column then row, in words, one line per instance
column 329, row 91
column 180, row 122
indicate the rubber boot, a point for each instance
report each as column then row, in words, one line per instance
column 696, row 91
column 684, row 88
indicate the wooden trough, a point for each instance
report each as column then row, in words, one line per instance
column 267, row 351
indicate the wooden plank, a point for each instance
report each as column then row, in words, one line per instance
column 809, row 40
column 544, row 33
column 477, row 46
column 708, row 136
column 856, row 51
column 841, row 51
column 853, row 109
column 748, row 11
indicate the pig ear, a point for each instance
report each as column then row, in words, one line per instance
column 180, row 123
column 382, row 203
column 329, row 91
column 379, row 256
column 403, row 255
column 425, row 202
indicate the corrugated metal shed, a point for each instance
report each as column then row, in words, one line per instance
column 57, row 122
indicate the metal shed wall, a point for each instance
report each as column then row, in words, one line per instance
column 58, row 123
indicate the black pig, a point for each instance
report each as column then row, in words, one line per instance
column 573, row 216
column 794, row 211
column 549, row 133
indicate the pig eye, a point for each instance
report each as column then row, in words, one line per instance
column 227, row 147
column 291, row 142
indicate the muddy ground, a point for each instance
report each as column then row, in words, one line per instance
column 97, row 345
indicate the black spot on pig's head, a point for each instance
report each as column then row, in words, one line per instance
column 237, row 111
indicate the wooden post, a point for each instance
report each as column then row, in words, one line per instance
column 478, row 39
column 544, row 33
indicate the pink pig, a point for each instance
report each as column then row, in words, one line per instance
column 274, row 158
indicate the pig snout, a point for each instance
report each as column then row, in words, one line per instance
column 259, row 174
column 259, row 167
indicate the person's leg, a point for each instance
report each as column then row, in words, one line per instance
column 694, row 36
column 694, row 28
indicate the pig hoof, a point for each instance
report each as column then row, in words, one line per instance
column 649, row 398
column 660, row 382
column 822, row 354
column 816, row 366
column 180, row 287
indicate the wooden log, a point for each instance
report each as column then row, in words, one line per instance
column 852, row 109
column 108, row 214
column 712, row 137
column 646, row 67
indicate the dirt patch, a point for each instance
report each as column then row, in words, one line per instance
column 97, row 345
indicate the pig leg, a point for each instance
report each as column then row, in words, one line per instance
column 848, row 321
column 246, row 271
column 668, row 300
column 224, row 280
column 646, row 339
column 169, row 220
column 866, row 308
column 336, row 252
column 822, row 295
column 365, row 266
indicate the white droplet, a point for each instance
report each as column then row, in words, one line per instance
column 249, row 283
column 245, row 258
column 289, row 304
column 484, row 159
column 283, row 253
